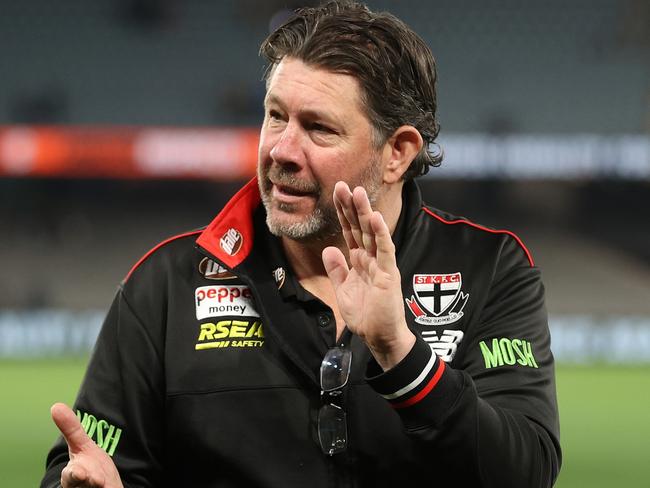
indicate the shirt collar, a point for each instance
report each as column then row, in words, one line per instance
column 285, row 279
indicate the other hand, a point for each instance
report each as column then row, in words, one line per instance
column 89, row 466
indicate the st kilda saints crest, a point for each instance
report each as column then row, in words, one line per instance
column 438, row 298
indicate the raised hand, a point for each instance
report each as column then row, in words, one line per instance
column 368, row 292
column 89, row 465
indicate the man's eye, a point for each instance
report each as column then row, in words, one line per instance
column 321, row 128
column 274, row 115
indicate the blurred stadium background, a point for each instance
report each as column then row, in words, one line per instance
column 125, row 121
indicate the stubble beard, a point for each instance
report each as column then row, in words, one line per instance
column 322, row 224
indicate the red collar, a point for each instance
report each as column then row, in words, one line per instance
column 229, row 237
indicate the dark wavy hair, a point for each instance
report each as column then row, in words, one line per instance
column 394, row 66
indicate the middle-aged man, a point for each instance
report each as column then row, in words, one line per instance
column 327, row 328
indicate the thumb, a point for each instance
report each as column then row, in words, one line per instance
column 69, row 425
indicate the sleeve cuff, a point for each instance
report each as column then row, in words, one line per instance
column 421, row 388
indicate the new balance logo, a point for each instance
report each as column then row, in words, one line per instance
column 446, row 345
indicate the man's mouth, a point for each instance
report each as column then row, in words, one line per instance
column 292, row 191
column 290, row 194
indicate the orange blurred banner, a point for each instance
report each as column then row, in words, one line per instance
column 223, row 154
column 125, row 152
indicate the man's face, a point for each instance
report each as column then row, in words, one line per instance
column 315, row 133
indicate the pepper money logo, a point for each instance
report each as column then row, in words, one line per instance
column 227, row 300
column 440, row 295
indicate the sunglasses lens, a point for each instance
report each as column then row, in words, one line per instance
column 335, row 369
column 332, row 430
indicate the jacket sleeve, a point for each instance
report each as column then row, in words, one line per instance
column 493, row 415
column 121, row 399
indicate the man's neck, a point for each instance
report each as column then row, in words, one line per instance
column 305, row 257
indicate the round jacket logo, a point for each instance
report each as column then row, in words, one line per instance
column 214, row 271
column 231, row 241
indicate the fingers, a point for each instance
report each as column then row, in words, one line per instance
column 74, row 476
column 354, row 212
column 347, row 215
column 345, row 226
column 362, row 227
column 70, row 427
column 89, row 466
column 335, row 265
column 385, row 248
column 84, row 474
column 364, row 213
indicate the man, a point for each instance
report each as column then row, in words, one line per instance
column 327, row 328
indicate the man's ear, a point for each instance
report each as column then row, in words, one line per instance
column 399, row 151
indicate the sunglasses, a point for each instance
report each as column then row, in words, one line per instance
column 332, row 424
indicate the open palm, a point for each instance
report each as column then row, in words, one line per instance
column 368, row 291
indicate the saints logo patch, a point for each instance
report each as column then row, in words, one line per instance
column 438, row 298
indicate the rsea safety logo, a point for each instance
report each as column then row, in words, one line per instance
column 230, row 333
column 105, row 435
column 509, row 352
column 226, row 300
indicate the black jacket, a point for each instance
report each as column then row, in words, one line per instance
column 205, row 373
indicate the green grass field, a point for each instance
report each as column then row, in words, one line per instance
column 605, row 418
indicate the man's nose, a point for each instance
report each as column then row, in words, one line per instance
column 288, row 149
